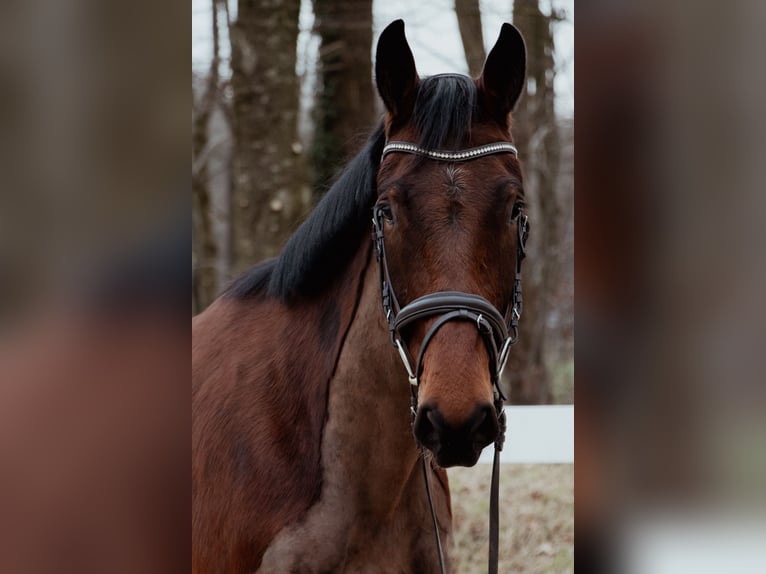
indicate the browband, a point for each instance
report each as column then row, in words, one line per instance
column 462, row 155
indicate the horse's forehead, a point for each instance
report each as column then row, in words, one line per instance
column 440, row 181
column 462, row 181
column 411, row 171
column 455, row 178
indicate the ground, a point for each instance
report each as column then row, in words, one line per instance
column 536, row 518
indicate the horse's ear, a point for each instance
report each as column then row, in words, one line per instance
column 395, row 71
column 502, row 80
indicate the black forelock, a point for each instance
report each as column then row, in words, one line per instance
column 444, row 110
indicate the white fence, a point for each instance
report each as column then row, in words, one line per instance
column 537, row 434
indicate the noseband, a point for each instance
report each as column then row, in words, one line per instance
column 498, row 330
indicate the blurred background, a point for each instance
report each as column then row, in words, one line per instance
column 284, row 96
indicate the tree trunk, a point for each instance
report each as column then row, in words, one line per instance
column 469, row 22
column 204, row 250
column 204, row 247
column 536, row 133
column 270, row 194
column 345, row 101
column 203, row 243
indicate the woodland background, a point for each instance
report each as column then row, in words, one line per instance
column 283, row 96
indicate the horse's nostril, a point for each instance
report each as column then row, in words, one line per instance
column 435, row 419
column 428, row 425
column 485, row 427
column 478, row 420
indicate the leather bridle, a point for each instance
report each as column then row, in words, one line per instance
column 498, row 330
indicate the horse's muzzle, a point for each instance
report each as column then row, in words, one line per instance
column 456, row 445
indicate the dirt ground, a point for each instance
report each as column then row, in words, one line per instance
column 536, row 518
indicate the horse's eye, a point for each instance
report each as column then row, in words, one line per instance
column 518, row 207
column 386, row 212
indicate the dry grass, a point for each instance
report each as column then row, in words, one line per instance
column 536, row 518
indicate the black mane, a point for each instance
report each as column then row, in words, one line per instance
column 323, row 245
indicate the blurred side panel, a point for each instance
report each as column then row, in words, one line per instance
column 669, row 275
column 94, row 286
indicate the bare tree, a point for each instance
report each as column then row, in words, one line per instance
column 469, row 22
column 204, row 249
column 270, row 193
column 535, row 130
column 345, row 98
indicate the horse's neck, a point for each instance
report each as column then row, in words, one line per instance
column 372, row 508
column 369, row 401
column 372, row 482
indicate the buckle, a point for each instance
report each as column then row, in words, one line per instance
column 406, row 362
column 482, row 324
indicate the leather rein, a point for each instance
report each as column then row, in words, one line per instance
column 498, row 330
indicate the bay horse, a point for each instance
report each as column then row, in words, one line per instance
column 303, row 457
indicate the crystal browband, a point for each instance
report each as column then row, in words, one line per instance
column 462, row 155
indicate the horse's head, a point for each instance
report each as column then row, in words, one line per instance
column 450, row 224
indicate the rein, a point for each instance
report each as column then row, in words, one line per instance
column 498, row 330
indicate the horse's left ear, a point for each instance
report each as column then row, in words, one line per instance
column 502, row 80
column 395, row 72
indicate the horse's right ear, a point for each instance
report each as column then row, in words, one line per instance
column 502, row 80
column 395, row 71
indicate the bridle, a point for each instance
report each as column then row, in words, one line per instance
column 498, row 330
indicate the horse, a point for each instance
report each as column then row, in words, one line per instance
column 303, row 456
